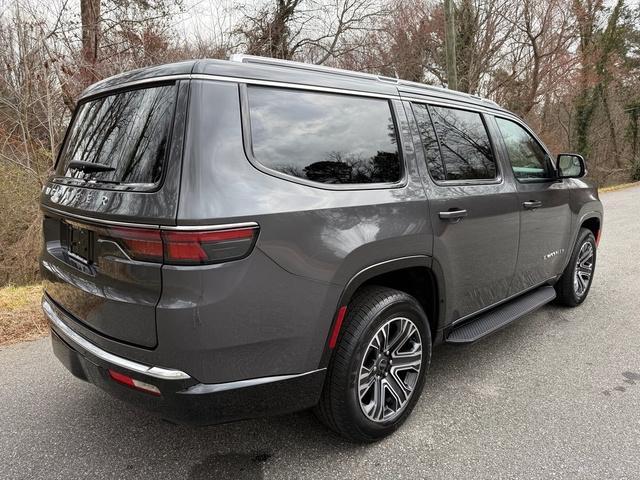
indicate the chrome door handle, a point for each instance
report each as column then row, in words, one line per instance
column 457, row 214
column 531, row 204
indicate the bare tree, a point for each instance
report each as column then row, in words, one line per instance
column 310, row 30
column 538, row 56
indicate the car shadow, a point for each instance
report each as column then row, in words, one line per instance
column 249, row 448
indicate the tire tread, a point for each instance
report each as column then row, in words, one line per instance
column 331, row 409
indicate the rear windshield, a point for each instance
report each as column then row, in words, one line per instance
column 127, row 134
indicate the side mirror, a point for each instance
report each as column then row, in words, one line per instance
column 571, row 165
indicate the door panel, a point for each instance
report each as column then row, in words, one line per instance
column 544, row 233
column 545, row 218
column 477, row 253
column 475, row 219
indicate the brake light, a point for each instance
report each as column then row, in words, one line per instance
column 139, row 243
column 185, row 247
column 208, row 247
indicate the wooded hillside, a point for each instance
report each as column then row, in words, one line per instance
column 570, row 68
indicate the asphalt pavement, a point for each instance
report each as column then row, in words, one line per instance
column 554, row 395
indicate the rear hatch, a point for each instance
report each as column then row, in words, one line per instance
column 118, row 170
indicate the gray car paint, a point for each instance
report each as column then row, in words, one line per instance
column 271, row 313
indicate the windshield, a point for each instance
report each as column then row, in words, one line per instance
column 126, row 134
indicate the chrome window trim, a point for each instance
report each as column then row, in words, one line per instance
column 220, row 78
column 247, row 140
column 432, row 96
column 453, row 103
column 297, row 86
column 54, row 315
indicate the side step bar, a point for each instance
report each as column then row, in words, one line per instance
column 498, row 317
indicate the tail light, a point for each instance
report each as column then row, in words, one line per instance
column 138, row 243
column 177, row 247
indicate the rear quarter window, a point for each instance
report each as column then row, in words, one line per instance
column 324, row 137
column 128, row 132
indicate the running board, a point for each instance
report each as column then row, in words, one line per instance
column 500, row 316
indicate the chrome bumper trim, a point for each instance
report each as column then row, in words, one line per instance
column 54, row 315
column 201, row 388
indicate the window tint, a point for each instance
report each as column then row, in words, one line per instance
column 464, row 143
column 128, row 132
column 324, row 137
column 528, row 158
column 429, row 141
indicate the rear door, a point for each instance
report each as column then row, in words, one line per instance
column 545, row 215
column 474, row 209
column 119, row 166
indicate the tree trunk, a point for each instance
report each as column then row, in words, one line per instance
column 90, row 18
column 450, row 44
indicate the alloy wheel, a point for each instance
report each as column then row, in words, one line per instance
column 584, row 269
column 390, row 369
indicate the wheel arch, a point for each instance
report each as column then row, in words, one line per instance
column 416, row 275
column 591, row 220
column 593, row 223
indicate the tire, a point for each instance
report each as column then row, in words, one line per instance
column 571, row 291
column 374, row 310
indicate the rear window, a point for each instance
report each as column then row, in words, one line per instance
column 324, row 137
column 126, row 134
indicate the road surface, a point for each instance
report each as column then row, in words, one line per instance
column 555, row 395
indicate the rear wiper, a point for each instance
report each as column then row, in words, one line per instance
column 89, row 166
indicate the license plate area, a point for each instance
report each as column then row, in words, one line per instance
column 79, row 243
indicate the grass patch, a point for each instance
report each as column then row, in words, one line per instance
column 21, row 316
column 620, row 186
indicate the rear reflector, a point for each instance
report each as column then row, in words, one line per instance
column 598, row 233
column 336, row 327
column 185, row 247
column 133, row 383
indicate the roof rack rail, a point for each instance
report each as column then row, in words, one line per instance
column 456, row 93
column 242, row 58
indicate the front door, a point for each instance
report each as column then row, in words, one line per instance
column 474, row 209
column 545, row 216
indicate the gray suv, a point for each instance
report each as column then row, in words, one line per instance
column 231, row 239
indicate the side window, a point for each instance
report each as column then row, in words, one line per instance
column 429, row 141
column 464, row 143
column 528, row 158
column 324, row 137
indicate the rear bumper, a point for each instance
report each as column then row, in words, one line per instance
column 183, row 399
